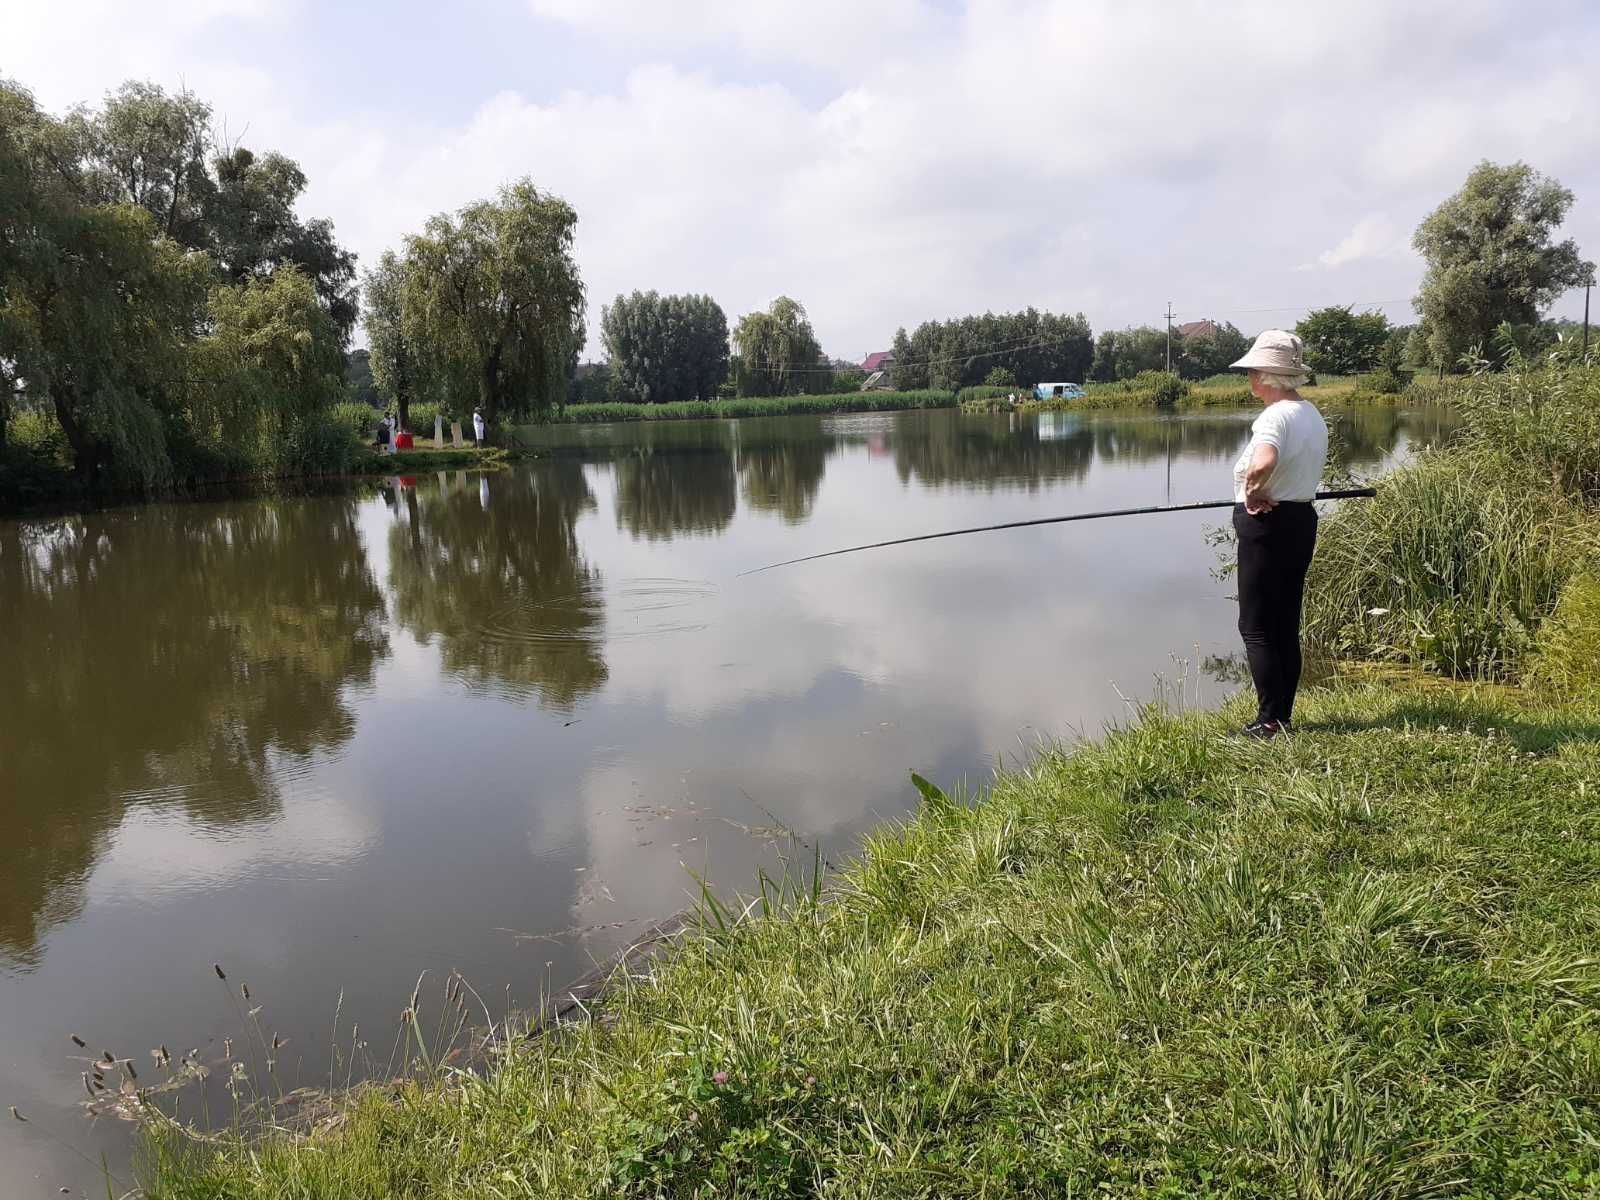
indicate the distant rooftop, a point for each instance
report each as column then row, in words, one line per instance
column 1206, row 328
column 877, row 361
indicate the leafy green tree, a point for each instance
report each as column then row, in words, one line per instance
column 846, row 379
column 1031, row 345
column 94, row 309
column 358, row 378
column 1342, row 342
column 253, row 231
column 1209, row 352
column 394, row 364
column 1001, row 377
column 1124, row 353
column 665, row 348
column 496, row 301
column 271, row 365
column 911, row 353
column 778, row 350
column 591, row 383
column 1492, row 258
column 156, row 150
column 148, row 148
column 1103, row 368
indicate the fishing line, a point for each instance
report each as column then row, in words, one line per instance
column 1195, row 506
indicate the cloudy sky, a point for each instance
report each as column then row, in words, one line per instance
column 889, row 161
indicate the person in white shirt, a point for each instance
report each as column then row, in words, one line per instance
column 478, row 427
column 1275, row 521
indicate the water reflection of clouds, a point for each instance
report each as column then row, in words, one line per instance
column 274, row 776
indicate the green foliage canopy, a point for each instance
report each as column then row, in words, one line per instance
column 1124, row 353
column 495, row 303
column 158, row 151
column 394, row 365
column 1034, row 346
column 778, row 351
column 665, row 348
column 1209, row 352
column 268, row 372
column 1492, row 258
column 1340, row 341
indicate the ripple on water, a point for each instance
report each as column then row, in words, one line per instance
column 638, row 608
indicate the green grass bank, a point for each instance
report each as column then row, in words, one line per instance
column 1157, row 389
column 1357, row 962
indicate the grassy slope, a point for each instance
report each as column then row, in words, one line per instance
column 1357, row 963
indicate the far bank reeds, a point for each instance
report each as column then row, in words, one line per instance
column 756, row 406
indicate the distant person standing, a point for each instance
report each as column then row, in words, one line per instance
column 478, row 426
column 1275, row 521
column 383, row 434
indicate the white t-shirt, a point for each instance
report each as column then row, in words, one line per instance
column 1300, row 434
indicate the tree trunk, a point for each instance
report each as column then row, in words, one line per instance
column 85, row 453
column 489, row 387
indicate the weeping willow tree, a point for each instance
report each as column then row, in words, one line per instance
column 778, row 354
column 493, row 302
column 393, row 361
column 263, row 378
column 114, row 239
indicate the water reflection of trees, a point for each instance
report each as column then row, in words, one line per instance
column 1155, row 439
column 493, row 574
column 164, row 655
column 690, row 490
column 784, row 478
column 991, row 454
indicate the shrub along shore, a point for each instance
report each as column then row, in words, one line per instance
column 1355, row 962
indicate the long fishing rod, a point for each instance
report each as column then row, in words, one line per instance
column 1341, row 494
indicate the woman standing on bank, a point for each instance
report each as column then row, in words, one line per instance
column 1275, row 521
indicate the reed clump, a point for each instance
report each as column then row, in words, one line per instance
column 1467, row 550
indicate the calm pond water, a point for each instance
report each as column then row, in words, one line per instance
column 493, row 721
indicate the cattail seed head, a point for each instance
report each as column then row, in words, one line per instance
column 217, row 967
column 128, row 1067
column 18, row 1116
column 106, row 1057
column 87, row 1086
column 77, row 1041
column 244, row 990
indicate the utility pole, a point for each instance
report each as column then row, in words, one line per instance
column 1169, row 337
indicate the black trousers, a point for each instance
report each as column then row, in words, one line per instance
column 1274, row 555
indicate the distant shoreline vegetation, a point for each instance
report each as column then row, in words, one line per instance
column 753, row 406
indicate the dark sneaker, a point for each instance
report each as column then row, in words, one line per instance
column 1263, row 730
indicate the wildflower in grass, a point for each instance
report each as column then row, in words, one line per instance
column 720, row 1078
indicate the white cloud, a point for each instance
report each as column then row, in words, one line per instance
column 831, row 33
column 1374, row 236
column 1097, row 156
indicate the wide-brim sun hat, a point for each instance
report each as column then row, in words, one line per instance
column 1277, row 352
